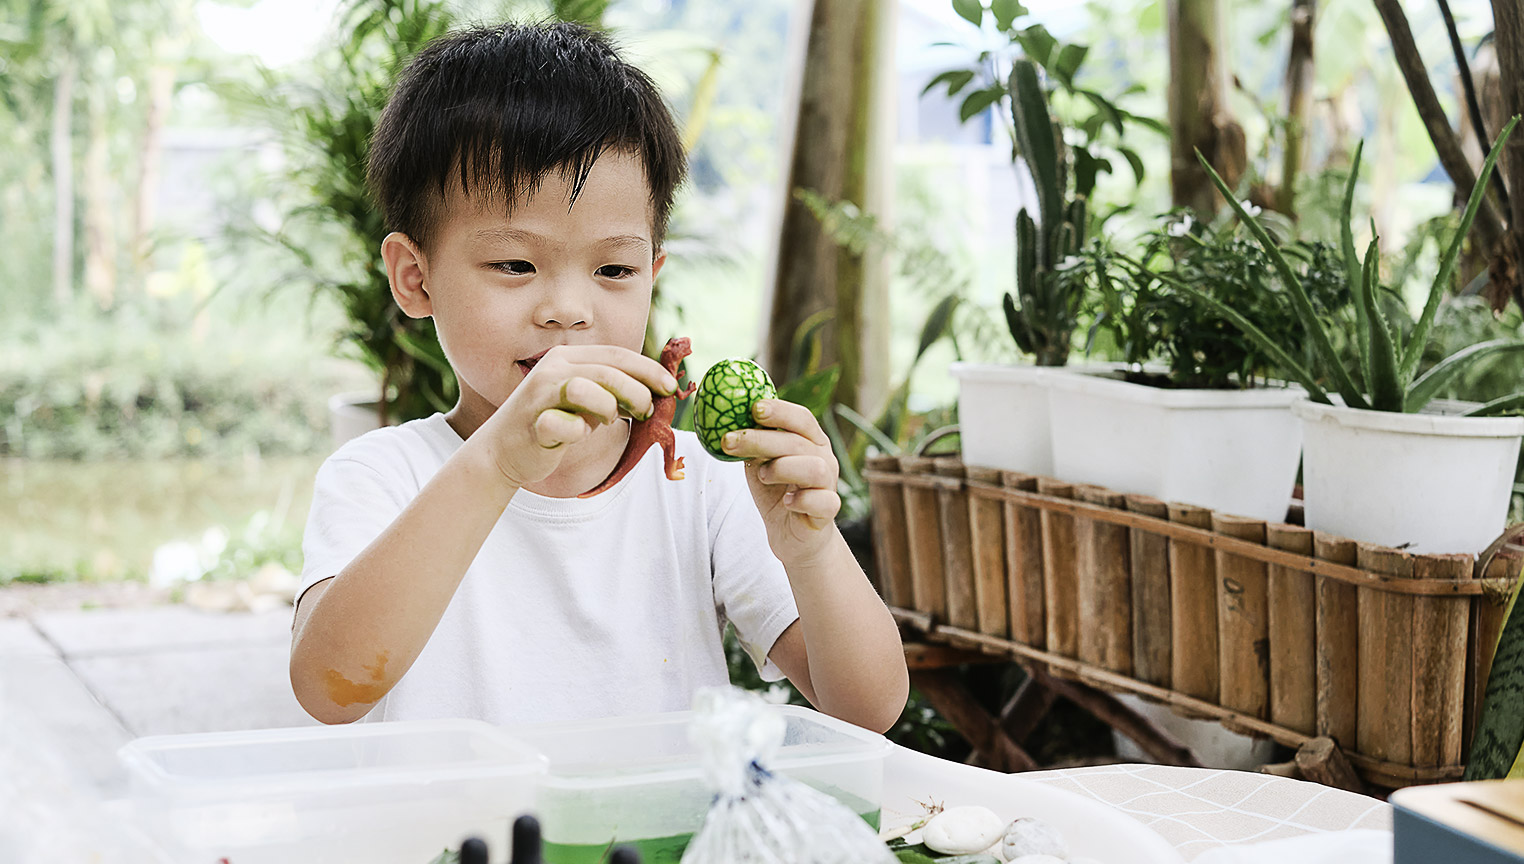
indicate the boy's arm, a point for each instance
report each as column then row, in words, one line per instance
column 844, row 652
column 356, row 634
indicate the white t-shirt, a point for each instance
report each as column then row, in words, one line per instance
column 574, row 608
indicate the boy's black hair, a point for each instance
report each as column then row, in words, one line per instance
column 496, row 109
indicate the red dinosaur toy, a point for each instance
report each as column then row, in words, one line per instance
column 656, row 429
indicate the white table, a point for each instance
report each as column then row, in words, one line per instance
column 1192, row 809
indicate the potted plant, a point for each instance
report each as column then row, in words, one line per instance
column 1003, row 409
column 1195, row 414
column 1384, row 463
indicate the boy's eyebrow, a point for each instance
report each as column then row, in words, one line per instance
column 519, row 235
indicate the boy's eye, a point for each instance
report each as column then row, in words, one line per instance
column 517, row 268
column 616, row 271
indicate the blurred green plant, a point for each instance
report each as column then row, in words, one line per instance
column 132, row 384
column 330, row 227
column 1388, row 360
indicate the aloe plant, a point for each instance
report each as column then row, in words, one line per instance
column 1043, row 313
column 1387, row 364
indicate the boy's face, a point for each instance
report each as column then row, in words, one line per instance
column 504, row 289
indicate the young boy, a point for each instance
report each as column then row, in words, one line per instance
column 527, row 173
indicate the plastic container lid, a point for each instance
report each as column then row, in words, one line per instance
column 276, row 763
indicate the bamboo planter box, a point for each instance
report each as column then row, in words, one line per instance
column 1270, row 629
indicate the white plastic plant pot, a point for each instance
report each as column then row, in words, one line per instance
column 1003, row 417
column 1234, row 451
column 1212, row 744
column 351, row 415
column 1431, row 482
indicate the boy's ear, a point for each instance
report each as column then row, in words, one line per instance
column 406, row 270
column 657, row 262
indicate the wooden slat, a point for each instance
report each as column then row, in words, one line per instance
column 1439, row 664
column 1060, row 575
column 1149, row 557
column 1385, row 720
column 891, row 558
column 1193, row 609
column 1292, row 613
column 1243, row 624
column 928, row 586
column 986, row 523
column 1102, row 555
column 1023, row 560
column 957, row 547
column 1338, row 628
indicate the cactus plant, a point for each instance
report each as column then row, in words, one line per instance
column 1043, row 312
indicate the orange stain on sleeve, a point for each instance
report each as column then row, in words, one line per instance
column 344, row 692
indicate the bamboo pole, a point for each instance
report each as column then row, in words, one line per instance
column 924, row 541
column 1439, row 664
column 1292, row 614
column 957, row 546
column 1193, row 609
column 1384, row 724
column 1338, row 629
column 1242, row 620
column 1024, row 568
column 986, row 522
column 891, row 549
column 1149, row 556
column 1060, row 597
column 1102, row 553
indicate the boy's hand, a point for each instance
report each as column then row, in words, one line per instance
column 792, row 474
column 571, row 391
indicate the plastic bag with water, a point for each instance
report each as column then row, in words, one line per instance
column 759, row 817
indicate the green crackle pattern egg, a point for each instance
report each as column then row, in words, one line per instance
column 724, row 399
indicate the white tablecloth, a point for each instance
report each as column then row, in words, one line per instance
column 1200, row 809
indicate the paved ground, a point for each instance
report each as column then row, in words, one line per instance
column 75, row 685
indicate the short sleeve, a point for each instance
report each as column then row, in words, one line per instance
column 352, row 503
column 750, row 583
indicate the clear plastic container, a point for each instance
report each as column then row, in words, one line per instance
column 376, row 793
column 638, row 781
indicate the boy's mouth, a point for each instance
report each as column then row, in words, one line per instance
column 527, row 364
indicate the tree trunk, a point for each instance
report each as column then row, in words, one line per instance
column 1299, row 70
column 839, row 150
column 1509, row 46
column 1489, row 225
column 100, row 234
column 63, row 184
column 161, row 88
column 1199, row 116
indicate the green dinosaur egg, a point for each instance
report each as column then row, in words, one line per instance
column 724, row 399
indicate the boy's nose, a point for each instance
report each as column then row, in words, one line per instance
column 564, row 306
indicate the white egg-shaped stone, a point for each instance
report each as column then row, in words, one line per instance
column 1027, row 837
column 963, row 830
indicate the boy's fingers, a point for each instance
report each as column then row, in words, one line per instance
column 810, row 472
column 628, row 392
column 790, row 416
column 767, row 444
column 820, row 505
column 583, row 396
column 652, row 374
column 555, row 428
